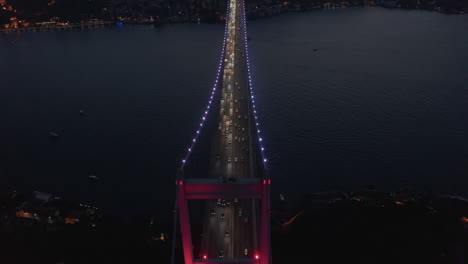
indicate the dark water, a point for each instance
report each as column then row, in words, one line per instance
column 384, row 101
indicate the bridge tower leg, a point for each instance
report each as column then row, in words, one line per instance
column 185, row 225
column 265, row 224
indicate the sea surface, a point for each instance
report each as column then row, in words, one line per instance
column 346, row 98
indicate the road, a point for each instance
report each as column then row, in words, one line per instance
column 230, row 227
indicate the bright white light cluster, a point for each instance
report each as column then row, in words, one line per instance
column 252, row 97
column 215, row 86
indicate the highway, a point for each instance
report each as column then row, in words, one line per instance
column 230, row 226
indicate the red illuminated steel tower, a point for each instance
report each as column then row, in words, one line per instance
column 211, row 189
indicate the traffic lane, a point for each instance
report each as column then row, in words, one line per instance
column 238, row 152
column 252, row 137
column 241, row 68
column 242, row 226
column 241, row 110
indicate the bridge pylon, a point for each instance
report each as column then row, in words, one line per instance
column 208, row 189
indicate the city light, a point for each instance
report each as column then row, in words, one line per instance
column 257, row 257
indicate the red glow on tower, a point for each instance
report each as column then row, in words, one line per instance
column 257, row 257
column 205, row 256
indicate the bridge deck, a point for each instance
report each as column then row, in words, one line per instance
column 231, row 229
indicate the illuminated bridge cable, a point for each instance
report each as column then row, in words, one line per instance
column 252, row 96
column 210, row 101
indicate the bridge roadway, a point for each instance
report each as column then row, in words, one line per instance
column 230, row 227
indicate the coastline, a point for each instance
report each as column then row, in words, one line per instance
column 254, row 14
column 58, row 27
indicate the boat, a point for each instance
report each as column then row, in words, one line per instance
column 93, row 177
column 53, row 135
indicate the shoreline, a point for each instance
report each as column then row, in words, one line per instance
column 38, row 28
column 253, row 15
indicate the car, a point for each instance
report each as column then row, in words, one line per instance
column 217, row 156
column 226, row 234
column 222, row 216
column 223, row 203
column 212, row 212
column 235, row 200
column 246, row 251
column 235, row 159
column 228, row 202
column 246, row 220
column 240, row 212
column 219, row 200
column 229, row 160
column 221, row 254
column 243, row 129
